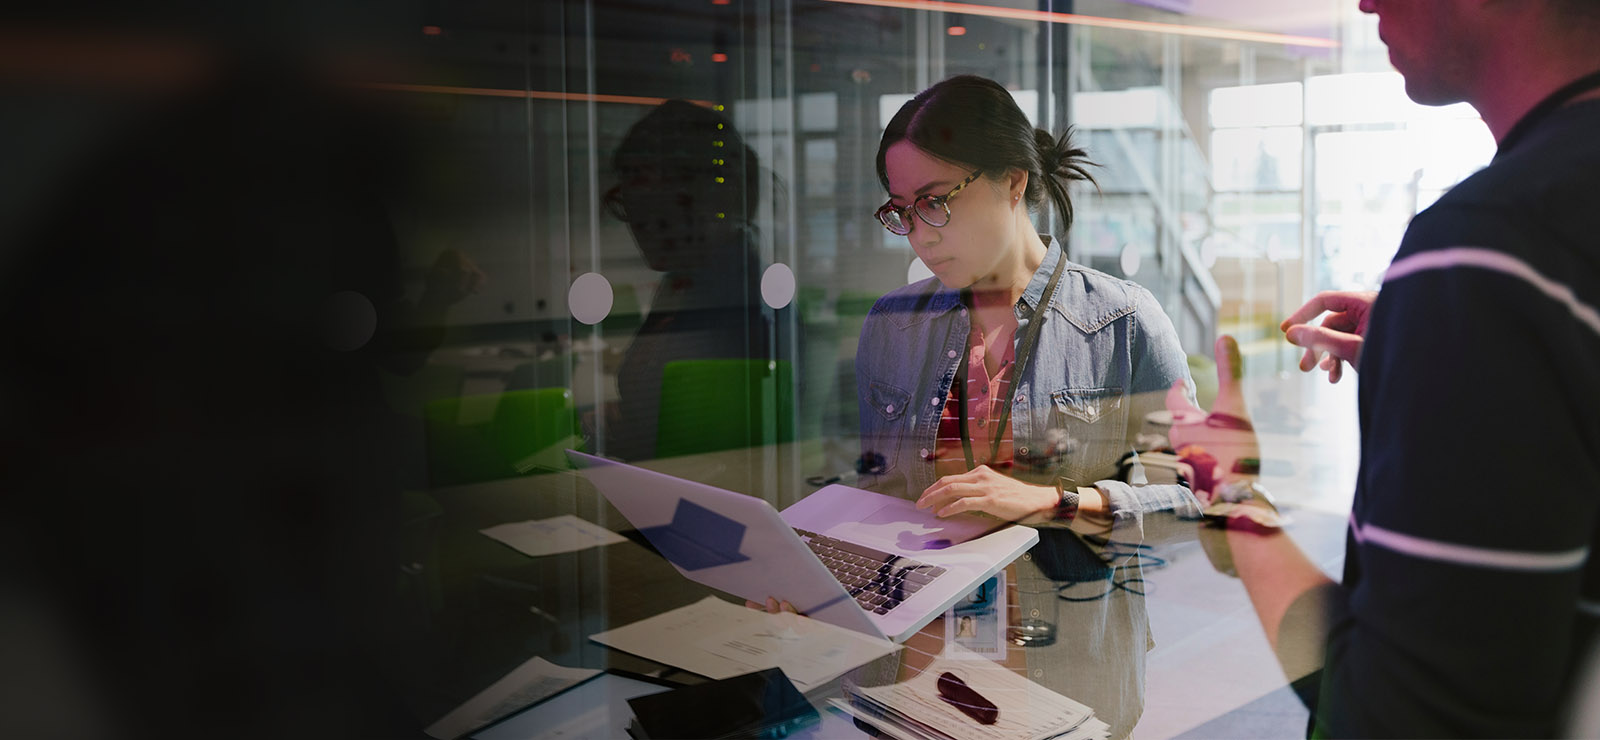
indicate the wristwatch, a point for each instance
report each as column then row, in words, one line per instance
column 1067, row 504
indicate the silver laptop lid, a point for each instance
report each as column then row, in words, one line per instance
column 726, row 540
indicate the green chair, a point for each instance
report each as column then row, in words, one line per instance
column 1204, row 371
column 711, row 405
column 499, row 435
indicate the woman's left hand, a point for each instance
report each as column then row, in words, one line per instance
column 984, row 490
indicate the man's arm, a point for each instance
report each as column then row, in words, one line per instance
column 1291, row 595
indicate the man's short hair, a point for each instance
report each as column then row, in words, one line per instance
column 1586, row 9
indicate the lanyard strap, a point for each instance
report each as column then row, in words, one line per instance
column 1024, row 352
column 1539, row 112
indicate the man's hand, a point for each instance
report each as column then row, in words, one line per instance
column 1225, row 433
column 1340, row 335
column 985, row 490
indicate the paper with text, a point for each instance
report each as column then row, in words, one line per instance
column 717, row 639
column 528, row 683
column 554, row 535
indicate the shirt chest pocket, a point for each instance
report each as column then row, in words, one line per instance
column 883, row 426
column 1087, row 432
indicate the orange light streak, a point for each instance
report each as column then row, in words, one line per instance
column 527, row 94
column 1176, row 29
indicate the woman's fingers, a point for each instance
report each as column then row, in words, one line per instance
column 773, row 606
column 954, row 486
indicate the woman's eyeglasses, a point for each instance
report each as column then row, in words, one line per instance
column 934, row 210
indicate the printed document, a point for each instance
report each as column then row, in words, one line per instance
column 528, row 683
column 717, row 639
column 913, row 709
column 551, row 536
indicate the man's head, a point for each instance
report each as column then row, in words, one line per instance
column 1433, row 44
column 1501, row 56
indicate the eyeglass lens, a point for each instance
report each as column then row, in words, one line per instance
column 931, row 209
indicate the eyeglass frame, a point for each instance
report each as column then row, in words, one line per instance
column 942, row 200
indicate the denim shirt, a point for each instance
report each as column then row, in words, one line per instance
column 1106, row 356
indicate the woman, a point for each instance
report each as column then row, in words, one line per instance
column 972, row 399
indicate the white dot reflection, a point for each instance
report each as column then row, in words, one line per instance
column 777, row 285
column 917, row 271
column 1130, row 259
column 589, row 298
column 349, row 321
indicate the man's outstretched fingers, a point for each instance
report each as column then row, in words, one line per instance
column 1317, row 340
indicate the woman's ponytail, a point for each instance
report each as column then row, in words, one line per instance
column 1060, row 163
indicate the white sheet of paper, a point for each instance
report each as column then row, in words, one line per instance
column 717, row 639
column 524, row 685
column 1026, row 708
column 559, row 534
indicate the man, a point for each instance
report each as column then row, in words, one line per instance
column 1471, row 592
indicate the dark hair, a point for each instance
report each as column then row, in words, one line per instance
column 973, row 121
column 1587, row 9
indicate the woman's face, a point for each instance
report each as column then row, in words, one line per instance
column 967, row 251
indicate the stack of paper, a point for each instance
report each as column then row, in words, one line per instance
column 913, row 710
column 717, row 639
column 528, row 683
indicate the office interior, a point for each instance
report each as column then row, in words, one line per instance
column 492, row 173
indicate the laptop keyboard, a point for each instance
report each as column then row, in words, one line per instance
column 877, row 580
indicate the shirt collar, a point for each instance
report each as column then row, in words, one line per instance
column 1041, row 276
column 945, row 299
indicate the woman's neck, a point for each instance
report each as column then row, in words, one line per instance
column 1001, row 289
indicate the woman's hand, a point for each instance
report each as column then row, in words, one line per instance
column 773, row 606
column 987, row 491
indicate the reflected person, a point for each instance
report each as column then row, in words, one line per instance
column 688, row 188
column 1013, row 381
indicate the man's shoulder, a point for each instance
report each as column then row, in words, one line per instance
column 1547, row 187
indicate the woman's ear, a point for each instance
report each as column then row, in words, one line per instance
column 1016, row 184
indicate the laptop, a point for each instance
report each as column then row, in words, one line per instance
column 857, row 559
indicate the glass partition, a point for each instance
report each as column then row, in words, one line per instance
column 644, row 231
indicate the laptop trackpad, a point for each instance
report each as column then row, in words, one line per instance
column 900, row 525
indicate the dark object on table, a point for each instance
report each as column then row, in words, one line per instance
column 956, row 693
column 764, row 704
